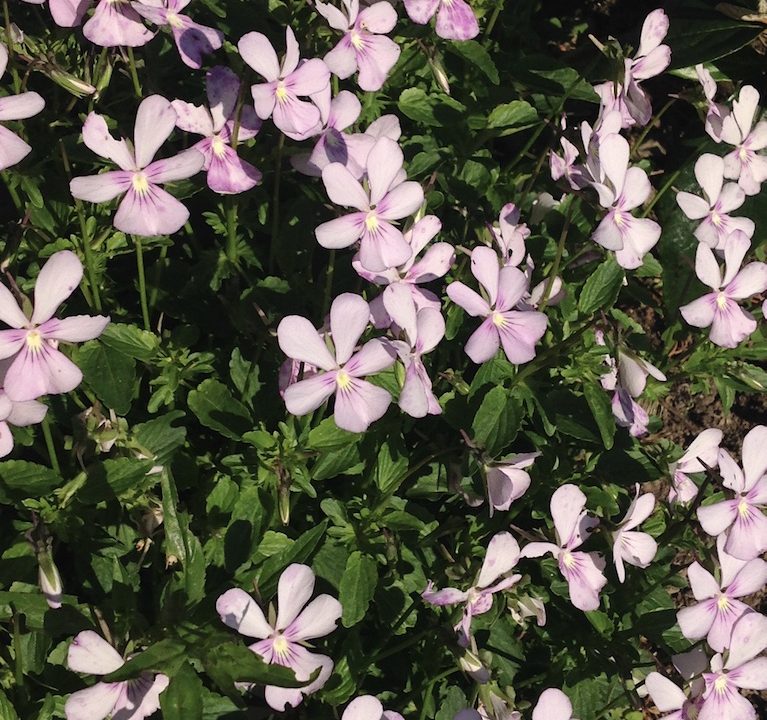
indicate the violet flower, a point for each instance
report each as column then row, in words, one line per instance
column 134, row 699
column 742, row 517
column 742, row 671
column 730, row 324
column 510, row 235
column 278, row 97
column 17, row 414
column 227, row 172
column 669, row 697
column 358, row 403
column 517, row 331
column 38, row 367
column 718, row 607
column 388, row 198
column 192, row 39
column 582, row 570
column 508, row 480
column 455, row 18
column 553, row 704
column 145, row 209
column 65, row 13
column 703, row 453
column 744, row 164
column 367, row 707
column 363, row 46
column 716, row 112
column 630, row 546
column 116, row 22
column 282, row 641
column 502, row 555
column 15, row 107
column 627, row 188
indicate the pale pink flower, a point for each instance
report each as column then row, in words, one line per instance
column 116, row 22
column 744, row 164
column 553, row 704
column 703, row 453
column 455, row 18
column 669, row 697
column 629, row 545
column 508, row 480
column 17, row 414
column 65, row 13
column 510, row 235
column 367, row 707
column 716, row 112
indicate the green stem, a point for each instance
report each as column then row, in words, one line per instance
column 133, row 73
column 159, row 267
column 231, row 229
column 558, row 258
column 142, row 281
column 49, row 444
column 672, row 178
column 650, row 125
column 493, row 19
column 276, row 205
column 328, row 284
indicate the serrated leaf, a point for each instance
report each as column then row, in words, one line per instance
column 515, row 113
column 130, row 340
column 216, row 408
column 497, row 421
column 601, row 409
column 163, row 656
column 109, row 373
column 182, row 699
column 602, row 288
column 26, row 479
column 475, row 53
column 299, row 551
column 357, row 587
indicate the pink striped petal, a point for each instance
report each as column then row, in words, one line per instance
column 359, row 405
column 150, row 213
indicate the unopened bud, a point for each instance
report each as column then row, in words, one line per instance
column 528, row 607
column 440, row 75
column 472, row 665
column 49, row 579
column 70, row 83
column 284, row 504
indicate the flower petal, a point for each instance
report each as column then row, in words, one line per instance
column 317, row 619
column 89, row 653
column 258, row 53
column 359, row 405
column 155, row 121
column 300, row 341
column 58, row 279
column 239, row 611
column 349, row 317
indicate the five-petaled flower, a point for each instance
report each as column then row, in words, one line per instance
column 455, row 18
column 629, row 545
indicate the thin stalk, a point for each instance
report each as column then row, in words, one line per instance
column 328, row 284
column 650, row 125
column 133, row 73
column 672, row 178
column 231, row 229
column 493, row 19
column 159, row 267
column 46, row 425
column 276, row 205
column 558, row 258
column 142, row 281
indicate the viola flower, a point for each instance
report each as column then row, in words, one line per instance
column 582, row 570
column 502, row 555
column 192, row 39
column 358, row 403
column 135, row 699
column 564, row 165
column 65, row 13
column 227, row 172
column 720, row 199
column 282, row 641
column 669, row 698
column 510, row 235
column 742, row 517
column 718, row 608
column 38, row 367
column 146, row 209
column 388, row 198
column 17, row 414
column 116, row 22
column 630, row 546
column 730, row 324
column 743, row 163
column 278, row 97
column 742, row 671
column 508, row 480
column 363, row 46
column 411, row 274
column 455, row 18
column 703, row 453
column 517, row 331
column 626, row 189
column 367, row 707
column 716, row 112
column 553, row 704
column 15, row 107
column 428, row 328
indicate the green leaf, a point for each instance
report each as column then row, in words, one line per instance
column 515, row 113
column 244, row 374
column 358, row 585
column 113, row 478
column 182, row 700
column 699, row 40
column 475, row 53
column 328, row 435
column 216, row 408
column 601, row 409
column 228, row 663
column 130, row 340
column 497, row 421
column 26, row 479
column 109, row 373
column 299, row 552
column 163, row 656
column 6, row 709
column 391, row 467
column 602, row 288
column 160, row 437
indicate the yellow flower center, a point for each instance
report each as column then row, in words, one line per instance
column 723, row 602
column 174, row 20
column 568, row 560
column 618, row 217
column 371, row 221
column 743, row 508
column 357, row 40
column 140, row 183
column 281, row 92
column 499, row 320
column 716, row 219
column 34, row 341
column 343, row 380
column 720, row 683
column 218, row 146
column 743, row 154
column 721, row 301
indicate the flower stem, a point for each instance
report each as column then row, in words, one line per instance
column 328, row 284
column 141, row 280
column 49, row 444
column 133, row 73
column 558, row 258
column 231, row 229
column 493, row 19
column 650, row 125
column 276, row 205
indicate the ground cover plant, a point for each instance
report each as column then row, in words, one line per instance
column 383, row 359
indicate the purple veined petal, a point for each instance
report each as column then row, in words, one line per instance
column 519, row 332
column 341, row 232
column 229, row 174
column 758, row 494
column 155, row 121
column 157, row 14
column 310, row 78
column 192, row 118
column 295, row 587
column 709, row 172
column 502, row 555
column 377, row 56
column 383, row 164
column 654, row 30
column 141, row 698
column 485, row 267
column 641, row 236
column 150, row 212
column 240, row 612
column 697, row 620
column 382, row 245
column 342, row 60
column 359, row 404
column 100, row 188
column 10, row 314
column 664, row 693
column 375, row 355
column 553, row 705
column 258, row 53
column 20, row 107
column 567, row 507
column 264, row 99
column 636, row 189
column 365, row 707
column 11, row 342
column 194, row 41
column 317, row 619
column 749, row 638
column 114, row 24
column 349, row 317
column 77, row 328
column 584, row 578
column 343, row 189
column 303, row 663
column 179, row 167
column 751, row 280
column 380, row 18
column 399, row 303
column 614, row 158
column 726, row 704
column 702, row 582
column 725, row 617
column 694, row 207
column 512, row 286
column 89, row 653
column 484, row 342
column 68, row 13
column 93, row 703
column 751, row 676
column 223, row 88
column 456, row 21
column 716, row 518
column 608, row 234
column 731, row 325
column 421, row 11
column 747, row 538
column 468, row 299
column 26, row 413
column 446, row 596
column 401, row 201
column 307, row 395
column 12, row 148
column 700, row 313
column 296, row 118
column 35, row 373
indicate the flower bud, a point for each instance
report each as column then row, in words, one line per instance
column 49, row 579
column 70, row 83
